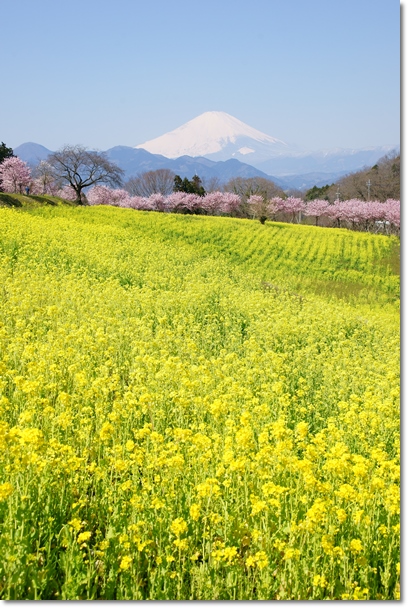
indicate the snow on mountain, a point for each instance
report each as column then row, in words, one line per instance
column 217, row 135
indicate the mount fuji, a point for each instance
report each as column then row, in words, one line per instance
column 217, row 136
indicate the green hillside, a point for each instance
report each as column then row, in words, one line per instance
column 24, row 201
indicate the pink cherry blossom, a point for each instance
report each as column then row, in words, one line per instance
column 15, row 175
column 316, row 208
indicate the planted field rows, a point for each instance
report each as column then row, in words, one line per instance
column 196, row 408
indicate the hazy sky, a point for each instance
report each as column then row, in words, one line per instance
column 317, row 73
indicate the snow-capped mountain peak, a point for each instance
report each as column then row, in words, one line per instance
column 214, row 133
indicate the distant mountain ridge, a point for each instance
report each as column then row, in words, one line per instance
column 339, row 160
column 288, row 169
column 135, row 161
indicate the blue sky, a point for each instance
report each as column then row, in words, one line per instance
column 316, row 73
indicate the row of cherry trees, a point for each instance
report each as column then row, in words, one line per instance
column 354, row 213
column 213, row 203
column 362, row 215
column 374, row 216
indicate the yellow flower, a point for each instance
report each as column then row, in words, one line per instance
column 126, row 562
column 357, row 516
column 301, row 430
column 215, row 518
column 126, row 485
column 319, row 581
column 6, row 489
column 106, row 431
column 279, row 544
column 359, row 593
column 157, row 503
column 316, row 515
column 257, row 505
column 210, row 487
column 181, row 544
column 230, row 553
column 346, row 492
column 195, row 511
column 83, row 537
column 178, row 526
column 341, row 515
column 356, row 546
column 291, row 553
column 328, row 544
column 76, row 524
column 261, row 559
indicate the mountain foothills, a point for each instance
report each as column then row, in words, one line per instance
column 218, row 147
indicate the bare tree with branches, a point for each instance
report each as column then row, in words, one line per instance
column 160, row 181
column 81, row 168
column 380, row 182
column 248, row 186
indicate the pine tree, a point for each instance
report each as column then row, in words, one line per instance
column 193, row 186
column 5, row 152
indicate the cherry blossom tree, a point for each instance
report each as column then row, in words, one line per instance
column 258, row 207
column 294, row 206
column 15, row 175
column 212, row 202
column 182, row 202
column 336, row 212
column 229, row 203
column 158, row 202
column 67, row 193
column 316, row 208
column 45, row 181
column 275, row 205
column 102, row 195
column 215, row 203
column 392, row 213
column 136, row 202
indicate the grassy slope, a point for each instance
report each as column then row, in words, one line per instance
column 19, row 201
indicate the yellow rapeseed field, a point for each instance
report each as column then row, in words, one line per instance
column 196, row 408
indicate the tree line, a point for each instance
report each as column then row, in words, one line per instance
column 84, row 176
column 380, row 182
